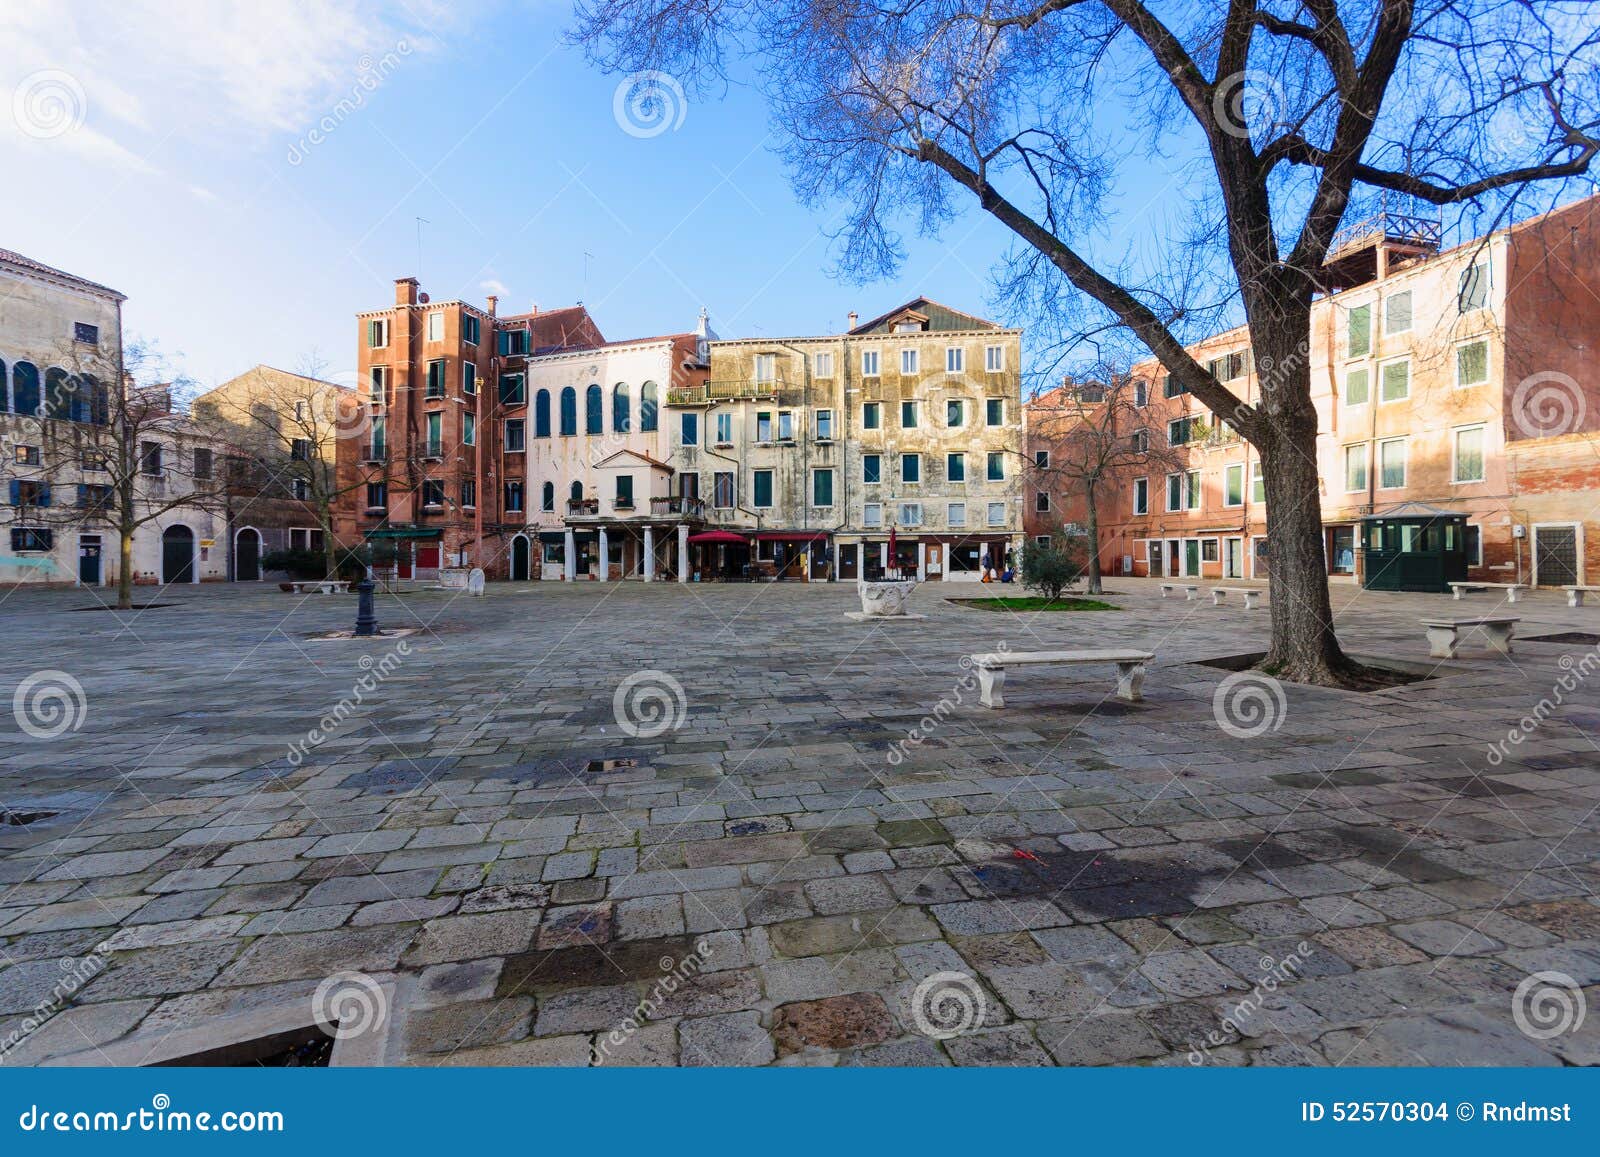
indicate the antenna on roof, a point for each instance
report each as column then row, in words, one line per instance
column 421, row 221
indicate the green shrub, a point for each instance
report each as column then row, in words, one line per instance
column 1051, row 569
column 298, row 564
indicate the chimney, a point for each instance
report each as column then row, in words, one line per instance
column 852, row 318
column 494, row 303
column 533, row 309
column 405, row 291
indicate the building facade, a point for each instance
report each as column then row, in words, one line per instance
column 1455, row 383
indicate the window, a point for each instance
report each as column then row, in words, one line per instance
column 995, row 466
column 594, row 404
column 512, row 342
column 689, row 428
column 377, row 496
column 1140, row 441
column 569, row 411
column 869, row 363
column 822, row 366
column 1355, row 468
column 541, row 414
column 621, row 409
column 547, row 498
column 299, row 450
column 1230, row 367
column 433, row 492
column 85, row 334
column 908, row 361
column 1395, row 381
column 997, row 514
column 1466, row 456
column 469, row 429
column 956, row 514
column 725, row 429
column 27, row 455
column 764, row 426
column 380, row 431
column 435, row 436
column 1474, row 544
column 1358, row 332
column 469, row 379
column 1392, row 463
column 1172, row 388
column 994, row 358
column 911, row 467
column 202, row 464
column 766, row 367
column 517, row 431
column 376, row 392
column 1233, row 485
column 871, row 469
column 994, row 411
column 785, row 426
column 761, row 489
column 1356, row 386
column 513, row 390
column 1141, row 393
column 955, row 360
column 300, row 489
column 1183, row 491
column 1472, row 363
column 436, row 326
column 1180, row 431
column 150, row 457
column 1474, row 291
column 1041, row 459
column 908, row 415
column 1397, row 313
column 1208, row 550
column 872, row 416
column 29, row 493
column 1258, row 484
column 872, row 514
column 514, row 497
column 1141, row 496
column 649, row 408
column 1041, row 501
column 955, row 412
column 470, row 329
column 822, row 488
column 824, row 425
column 1174, row 491
column 624, row 499
column 910, row 514
column 377, row 333
column 469, row 493
column 722, row 489
column 1192, row 482
column 29, row 538
column 955, row 467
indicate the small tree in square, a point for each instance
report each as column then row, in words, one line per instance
column 1050, row 567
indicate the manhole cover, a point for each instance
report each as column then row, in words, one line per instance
column 594, row 766
column 1583, row 637
column 21, row 819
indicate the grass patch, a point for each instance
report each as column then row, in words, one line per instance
column 1036, row 603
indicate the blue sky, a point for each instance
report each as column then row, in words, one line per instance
column 176, row 167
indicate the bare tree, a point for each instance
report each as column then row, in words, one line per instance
column 1277, row 117
column 1097, row 437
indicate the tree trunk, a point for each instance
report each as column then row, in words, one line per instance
column 125, row 571
column 325, row 518
column 1093, row 517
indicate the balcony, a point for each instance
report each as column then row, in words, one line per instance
column 730, row 390
column 374, row 452
column 677, row 504
column 583, row 507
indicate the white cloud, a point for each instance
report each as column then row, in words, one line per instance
column 498, row 288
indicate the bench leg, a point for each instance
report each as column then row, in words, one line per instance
column 1130, row 682
column 1250, row 600
column 1192, row 595
column 1442, row 642
column 1458, row 592
column 1500, row 637
column 990, row 681
column 1165, row 591
column 1217, row 598
column 1575, row 598
column 1513, row 594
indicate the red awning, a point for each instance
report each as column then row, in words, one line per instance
column 718, row 536
column 791, row 535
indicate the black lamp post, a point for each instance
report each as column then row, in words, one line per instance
column 366, row 617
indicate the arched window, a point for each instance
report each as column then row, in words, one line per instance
column 548, row 499
column 620, row 418
column 648, row 401
column 594, row 418
column 99, row 407
column 25, row 388
column 569, row 411
column 5, row 388
column 541, row 414
column 576, row 492
column 60, row 392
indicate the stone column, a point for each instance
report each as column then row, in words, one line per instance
column 605, row 556
column 883, row 555
column 569, row 558
column 649, row 554
column 922, row 561
column 683, row 552
column 861, row 562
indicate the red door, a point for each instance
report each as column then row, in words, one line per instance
column 427, row 558
column 403, row 559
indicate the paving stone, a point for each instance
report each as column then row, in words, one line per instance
column 468, row 1025
column 76, row 1030
column 318, row 954
column 588, row 1010
column 815, row 977
column 458, row 982
column 498, row 897
column 733, row 1039
column 649, row 917
column 1012, row 1045
column 838, row 1022
column 163, row 971
column 1369, row 947
column 1043, row 991
column 1105, row 1039
column 403, row 911
column 450, row 938
column 653, row 1045
column 580, row 925
column 1446, row 938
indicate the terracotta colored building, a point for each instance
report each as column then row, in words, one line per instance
column 1459, row 401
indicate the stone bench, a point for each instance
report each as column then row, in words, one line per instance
column 319, row 587
column 1514, row 591
column 1220, row 594
column 991, row 669
column 1191, row 593
column 1443, row 634
column 1575, row 595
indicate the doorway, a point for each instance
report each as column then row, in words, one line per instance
column 520, row 560
column 1233, row 558
column 177, row 555
column 1154, row 549
column 1555, row 555
column 89, row 560
column 247, row 556
column 1174, row 557
column 1259, row 567
column 1191, row 557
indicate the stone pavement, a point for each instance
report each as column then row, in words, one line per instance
column 723, row 826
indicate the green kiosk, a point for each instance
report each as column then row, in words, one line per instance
column 1413, row 547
